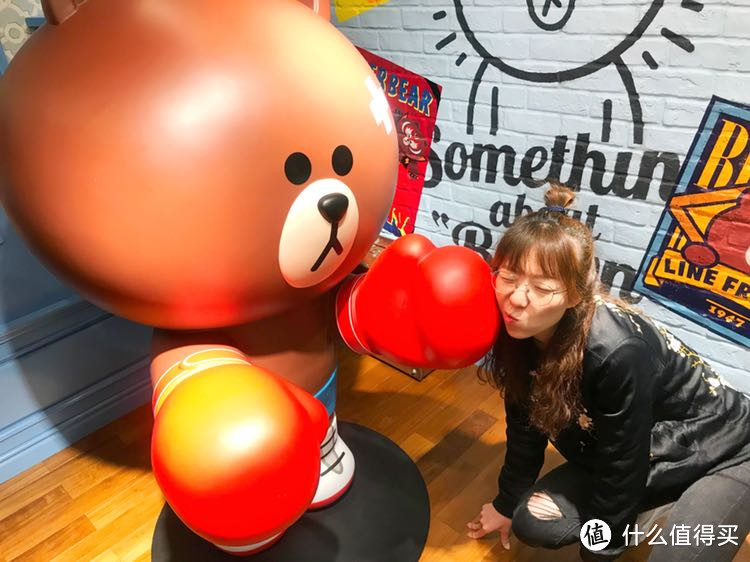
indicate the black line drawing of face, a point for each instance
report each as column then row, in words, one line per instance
column 558, row 17
column 548, row 17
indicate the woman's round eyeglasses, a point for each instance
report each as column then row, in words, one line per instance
column 507, row 283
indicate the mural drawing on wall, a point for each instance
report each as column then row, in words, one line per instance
column 556, row 15
column 414, row 102
column 698, row 262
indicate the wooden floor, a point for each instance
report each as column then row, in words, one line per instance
column 98, row 500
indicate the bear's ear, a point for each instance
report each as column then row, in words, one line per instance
column 57, row 11
column 320, row 7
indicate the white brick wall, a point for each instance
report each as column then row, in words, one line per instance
column 673, row 99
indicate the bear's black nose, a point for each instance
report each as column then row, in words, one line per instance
column 333, row 206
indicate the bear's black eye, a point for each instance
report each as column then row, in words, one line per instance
column 297, row 168
column 342, row 160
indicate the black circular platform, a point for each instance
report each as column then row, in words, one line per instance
column 384, row 516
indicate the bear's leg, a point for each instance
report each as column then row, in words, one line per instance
column 336, row 459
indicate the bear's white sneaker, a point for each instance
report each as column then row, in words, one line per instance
column 336, row 468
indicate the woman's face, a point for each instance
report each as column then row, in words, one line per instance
column 531, row 303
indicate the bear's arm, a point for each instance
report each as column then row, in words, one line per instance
column 169, row 348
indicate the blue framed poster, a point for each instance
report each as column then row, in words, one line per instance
column 698, row 260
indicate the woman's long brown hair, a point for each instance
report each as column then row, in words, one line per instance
column 547, row 383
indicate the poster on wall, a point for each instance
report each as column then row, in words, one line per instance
column 414, row 103
column 347, row 9
column 698, row 260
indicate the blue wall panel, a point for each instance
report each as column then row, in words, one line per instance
column 64, row 372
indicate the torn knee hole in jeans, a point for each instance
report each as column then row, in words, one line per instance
column 541, row 506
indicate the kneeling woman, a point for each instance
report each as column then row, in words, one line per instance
column 641, row 419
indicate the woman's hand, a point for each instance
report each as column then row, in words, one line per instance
column 490, row 520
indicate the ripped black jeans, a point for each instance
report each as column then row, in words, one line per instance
column 716, row 501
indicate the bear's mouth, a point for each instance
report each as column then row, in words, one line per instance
column 318, row 233
column 332, row 244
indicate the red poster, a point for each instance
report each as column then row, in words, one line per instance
column 414, row 102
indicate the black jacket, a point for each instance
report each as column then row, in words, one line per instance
column 658, row 419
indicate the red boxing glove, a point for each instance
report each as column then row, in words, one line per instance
column 421, row 305
column 235, row 449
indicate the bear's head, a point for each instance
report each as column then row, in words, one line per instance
column 193, row 164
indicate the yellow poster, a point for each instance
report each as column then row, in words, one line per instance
column 347, row 9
